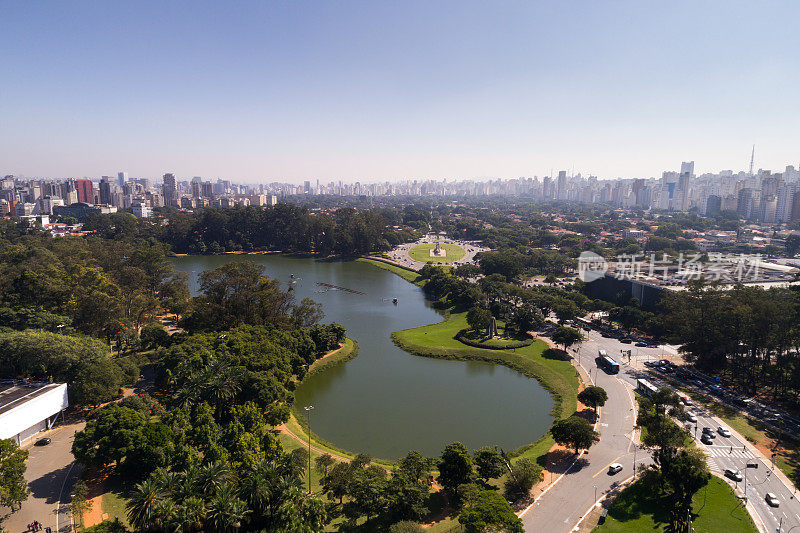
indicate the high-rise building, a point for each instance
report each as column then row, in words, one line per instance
column 561, row 191
column 687, row 167
column 195, row 185
column 122, row 177
column 713, row 205
column 105, row 190
column 84, row 188
column 169, row 190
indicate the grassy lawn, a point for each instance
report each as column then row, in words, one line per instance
column 558, row 377
column 406, row 274
column 422, row 253
column 639, row 508
column 114, row 505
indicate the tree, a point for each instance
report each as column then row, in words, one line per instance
column 489, row 512
column 566, row 336
column 367, row 491
column 415, row 466
column 80, row 502
column 478, row 318
column 324, row 462
column 455, row 466
column 594, row 397
column 792, row 245
column 523, row 476
column 489, row 463
column 239, row 293
column 337, row 482
column 687, row 473
column 575, row 432
column 406, row 497
column 13, row 487
column 143, row 502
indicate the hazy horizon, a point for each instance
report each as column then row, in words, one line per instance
column 374, row 91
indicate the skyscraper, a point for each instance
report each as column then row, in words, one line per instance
column 122, row 177
column 169, row 190
column 561, row 190
column 84, row 188
column 105, row 190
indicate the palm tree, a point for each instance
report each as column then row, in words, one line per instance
column 190, row 515
column 212, row 476
column 165, row 515
column 143, row 502
column 226, row 510
column 168, row 482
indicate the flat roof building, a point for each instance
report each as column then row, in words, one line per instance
column 26, row 408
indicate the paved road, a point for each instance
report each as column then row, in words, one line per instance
column 50, row 474
column 733, row 452
column 400, row 254
column 565, row 503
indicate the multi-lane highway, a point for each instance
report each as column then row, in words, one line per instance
column 725, row 452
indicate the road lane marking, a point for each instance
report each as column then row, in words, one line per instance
column 606, row 467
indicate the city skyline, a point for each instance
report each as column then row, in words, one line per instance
column 363, row 91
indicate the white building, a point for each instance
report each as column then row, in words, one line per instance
column 28, row 408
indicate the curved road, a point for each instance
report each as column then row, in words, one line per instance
column 565, row 503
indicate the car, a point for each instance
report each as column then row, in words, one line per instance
column 626, row 340
column 686, row 400
column 709, row 432
column 733, row 474
column 772, row 499
column 724, row 432
column 614, row 468
column 692, row 419
column 606, row 334
column 706, row 439
column 665, row 362
column 650, row 364
column 642, row 344
column 42, row 442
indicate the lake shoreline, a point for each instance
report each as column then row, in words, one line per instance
column 564, row 395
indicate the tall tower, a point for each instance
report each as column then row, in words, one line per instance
column 169, row 190
column 752, row 156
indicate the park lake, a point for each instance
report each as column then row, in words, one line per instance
column 387, row 401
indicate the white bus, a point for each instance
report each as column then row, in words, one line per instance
column 645, row 388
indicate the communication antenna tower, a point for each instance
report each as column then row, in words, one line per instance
column 752, row 155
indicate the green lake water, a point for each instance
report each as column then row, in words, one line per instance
column 387, row 401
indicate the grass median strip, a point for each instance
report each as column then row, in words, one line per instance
column 641, row 508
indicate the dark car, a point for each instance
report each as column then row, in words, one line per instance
column 642, row 344
column 733, row 474
column 706, row 439
column 42, row 442
column 626, row 340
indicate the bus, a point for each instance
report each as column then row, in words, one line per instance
column 645, row 388
column 610, row 366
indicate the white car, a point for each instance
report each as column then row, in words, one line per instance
column 692, row 419
column 724, row 432
column 772, row 499
column 614, row 468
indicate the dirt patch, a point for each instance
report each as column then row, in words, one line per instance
column 96, row 480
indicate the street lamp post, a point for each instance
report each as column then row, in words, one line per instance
column 308, row 409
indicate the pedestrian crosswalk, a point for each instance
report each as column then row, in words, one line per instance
column 727, row 451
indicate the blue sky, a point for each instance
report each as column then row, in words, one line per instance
column 385, row 90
